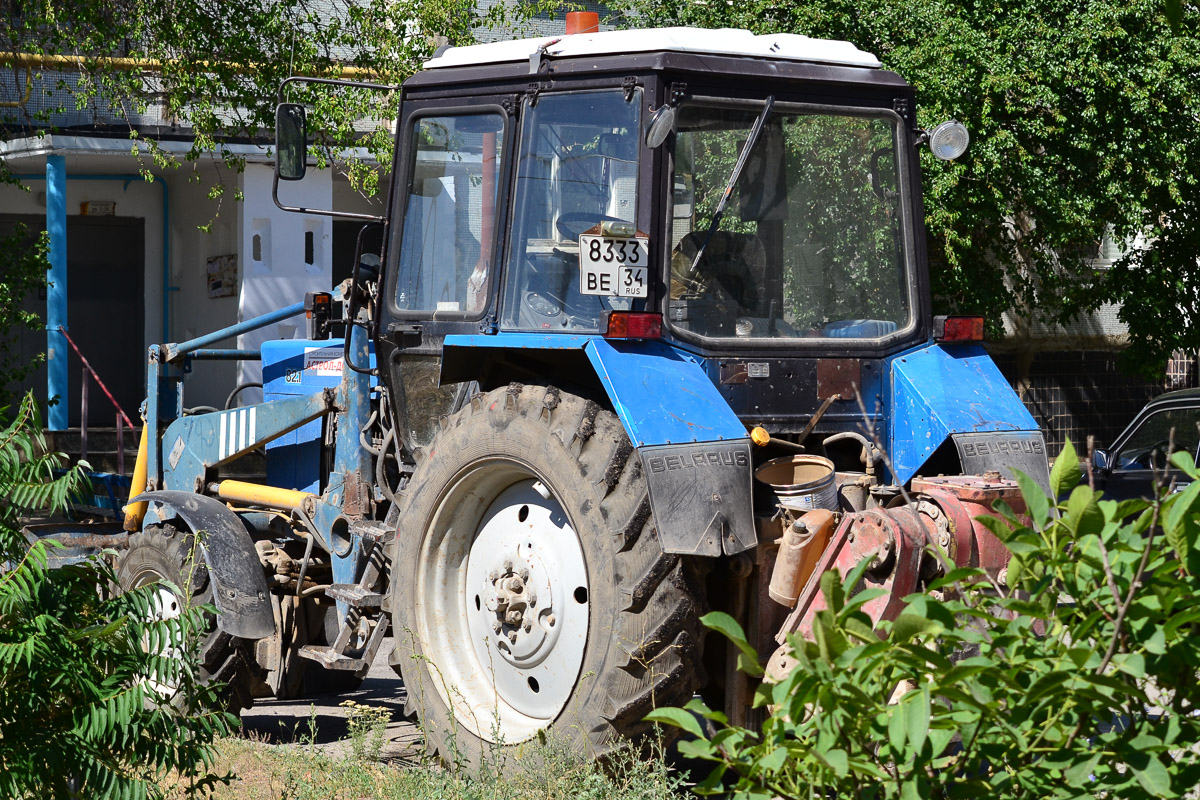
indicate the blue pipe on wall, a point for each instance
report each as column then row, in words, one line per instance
column 56, row 296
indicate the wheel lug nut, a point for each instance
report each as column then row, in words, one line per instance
column 512, row 637
column 492, row 576
column 496, row 626
column 532, row 599
column 508, row 565
column 524, row 574
column 528, row 627
column 550, row 620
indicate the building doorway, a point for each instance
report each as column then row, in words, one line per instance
column 105, row 312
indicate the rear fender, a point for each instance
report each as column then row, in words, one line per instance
column 956, row 393
column 239, row 585
column 693, row 449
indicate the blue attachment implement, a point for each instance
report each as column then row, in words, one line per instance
column 351, row 483
column 167, row 363
column 940, row 390
column 193, row 444
column 294, row 367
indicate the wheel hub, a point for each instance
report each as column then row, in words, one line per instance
column 526, row 600
column 521, row 629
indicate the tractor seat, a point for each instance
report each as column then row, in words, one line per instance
column 731, row 270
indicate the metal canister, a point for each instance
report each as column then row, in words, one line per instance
column 800, row 483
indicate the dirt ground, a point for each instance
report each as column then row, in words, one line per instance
column 321, row 720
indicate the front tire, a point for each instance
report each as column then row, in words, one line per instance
column 161, row 552
column 530, row 591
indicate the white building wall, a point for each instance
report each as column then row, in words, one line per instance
column 273, row 265
column 193, row 312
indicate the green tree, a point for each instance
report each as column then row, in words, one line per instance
column 214, row 69
column 1082, row 117
column 99, row 695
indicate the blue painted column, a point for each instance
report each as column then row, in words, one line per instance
column 56, row 293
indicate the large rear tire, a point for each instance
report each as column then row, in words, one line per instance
column 529, row 591
column 161, row 552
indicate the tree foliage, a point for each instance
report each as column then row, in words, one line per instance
column 1082, row 119
column 1073, row 679
column 22, row 270
column 99, row 695
column 212, row 70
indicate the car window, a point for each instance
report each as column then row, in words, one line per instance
column 1153, row 435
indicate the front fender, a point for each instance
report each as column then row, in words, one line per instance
column 693, row 448
column 239, row 584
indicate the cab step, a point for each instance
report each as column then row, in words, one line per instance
column 330, row 659
column 355, row 595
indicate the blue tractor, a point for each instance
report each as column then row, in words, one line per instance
column 622, row 274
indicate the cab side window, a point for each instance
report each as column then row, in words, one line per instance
column 446, row 255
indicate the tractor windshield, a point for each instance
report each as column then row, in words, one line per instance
column 811, row 242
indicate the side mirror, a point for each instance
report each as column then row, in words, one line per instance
column 291, row 141
column 661, row 124
column 1101, row 460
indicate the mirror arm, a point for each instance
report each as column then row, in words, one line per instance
column 383, row 87
column 323, row 212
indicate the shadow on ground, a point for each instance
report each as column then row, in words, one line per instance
column 319, row 719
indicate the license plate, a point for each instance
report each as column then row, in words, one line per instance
column 613, row 266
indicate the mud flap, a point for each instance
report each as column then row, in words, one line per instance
column 239, row 585
column 700, row 495
column 1004, row 451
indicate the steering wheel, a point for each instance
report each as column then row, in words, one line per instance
column 1142, row 456
column 571, row 226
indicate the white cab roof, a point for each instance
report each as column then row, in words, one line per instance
column 724, row 41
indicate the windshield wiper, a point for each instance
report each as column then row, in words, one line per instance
column 755, row 132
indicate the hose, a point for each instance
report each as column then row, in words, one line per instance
column 380, row 476
column 364, row 442
column 238, row 390
column 194, row 410
column 303, row 519
column 308, row 546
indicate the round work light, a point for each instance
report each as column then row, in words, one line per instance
column 949, row 140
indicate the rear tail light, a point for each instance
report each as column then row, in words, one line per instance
column 958, row 329
column 633, row 325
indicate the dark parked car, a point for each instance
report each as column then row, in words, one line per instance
column 1124, row 470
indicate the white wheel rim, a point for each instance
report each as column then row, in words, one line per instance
column 502, row 602
column 166, row 605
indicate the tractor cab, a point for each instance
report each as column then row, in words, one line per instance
column 752, row 201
